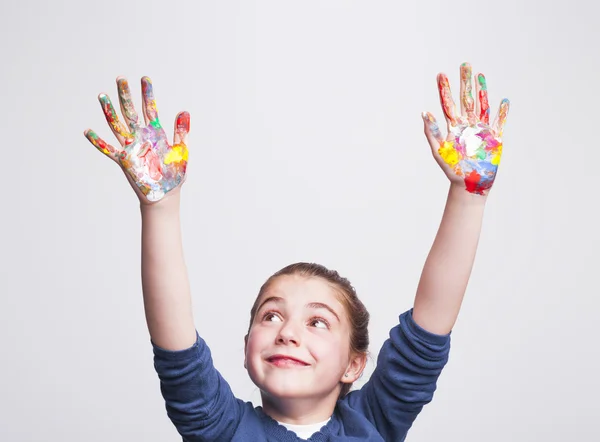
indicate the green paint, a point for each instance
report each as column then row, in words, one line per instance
column 482, row 83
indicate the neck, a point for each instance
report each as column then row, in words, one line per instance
column 297, row 411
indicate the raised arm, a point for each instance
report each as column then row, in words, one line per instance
column 198, row 400
column 469, row 156
column 165, row 282
column 156, row 170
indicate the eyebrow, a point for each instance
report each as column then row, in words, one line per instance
column 279, row 300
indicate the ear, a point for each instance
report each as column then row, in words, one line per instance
column 355, row 368
column 245, row 346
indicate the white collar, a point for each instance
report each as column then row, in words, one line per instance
column 305, row 431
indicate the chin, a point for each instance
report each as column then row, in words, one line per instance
column 280, row 389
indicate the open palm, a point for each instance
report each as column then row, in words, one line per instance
column 471, row 151
column 151, row 163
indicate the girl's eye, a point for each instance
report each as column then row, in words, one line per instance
column 319, row 323
column 271, row 317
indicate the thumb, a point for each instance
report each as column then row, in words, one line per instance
column 432, row 130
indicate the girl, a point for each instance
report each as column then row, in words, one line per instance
column 307, row 338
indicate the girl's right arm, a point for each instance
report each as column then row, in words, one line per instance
column 165, row 283
column 198, row 400
column 156, row 170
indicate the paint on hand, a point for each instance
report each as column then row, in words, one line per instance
column 474, row 154
column 484, row 105
column 473, row 148
column 112, row 117
column 433, row 126
column 150, row 103
column 155, row 166
column 100, row 144
column 127, row 103
column 446, row 99
column 501, row 117
column 467, row 101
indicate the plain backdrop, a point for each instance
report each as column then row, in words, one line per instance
column 306, row 145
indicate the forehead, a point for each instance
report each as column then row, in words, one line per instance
column 301, row 289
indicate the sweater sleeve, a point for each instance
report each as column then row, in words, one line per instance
column 198, row 400
column 404, row 380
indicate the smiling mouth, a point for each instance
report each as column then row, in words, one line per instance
column 284, row 361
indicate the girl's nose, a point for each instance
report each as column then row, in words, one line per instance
column 287, row 335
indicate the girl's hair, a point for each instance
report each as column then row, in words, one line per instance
column 355, row 309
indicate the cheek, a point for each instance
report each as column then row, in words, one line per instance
column 257, row 339
column 329, row 348
column 341, row 350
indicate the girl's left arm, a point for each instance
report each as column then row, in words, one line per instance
column 469, row 156
column 448, row 266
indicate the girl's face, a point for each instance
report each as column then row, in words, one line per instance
column 298, row 346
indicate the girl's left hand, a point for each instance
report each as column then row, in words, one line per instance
column 469, row 155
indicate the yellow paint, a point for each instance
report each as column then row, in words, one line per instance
column 448, row 153
column 497, row 155
column 126, row 164
column 177, row 154
column 153, row 106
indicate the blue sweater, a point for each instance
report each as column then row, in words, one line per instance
column 202, row 406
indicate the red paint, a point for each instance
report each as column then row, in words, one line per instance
column 105, row 145
column 144, row 150
column 472, row 181
column 484, row 113
column 446, row 98
column 474, row 184
column 183, row 122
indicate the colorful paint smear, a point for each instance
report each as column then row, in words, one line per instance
column 101, row 145
column 146, row 155
column 150, row 103
column 127, row 106
column 433, row 126
column 473, row 154
column 501, row 117
column 446, row 99
column 484, row 105
column 466, row 93
column 112, row 118
column 473, row 149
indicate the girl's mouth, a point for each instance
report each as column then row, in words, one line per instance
column 286, row 361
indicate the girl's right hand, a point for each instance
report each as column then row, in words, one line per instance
column 152, row 166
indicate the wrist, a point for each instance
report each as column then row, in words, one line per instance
column 169, row 204
column 458, row 192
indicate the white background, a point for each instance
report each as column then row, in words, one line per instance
column 306, row 145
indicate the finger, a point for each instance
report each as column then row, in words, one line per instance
column 112, row 118
column 483, row 106
column 446, row 99
column 179, row 152
column 182, row 128
column 102, row 145
column 150, row 111
column 127, row 107
column 467, row 103
column 432, row 130
column 500, row 120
